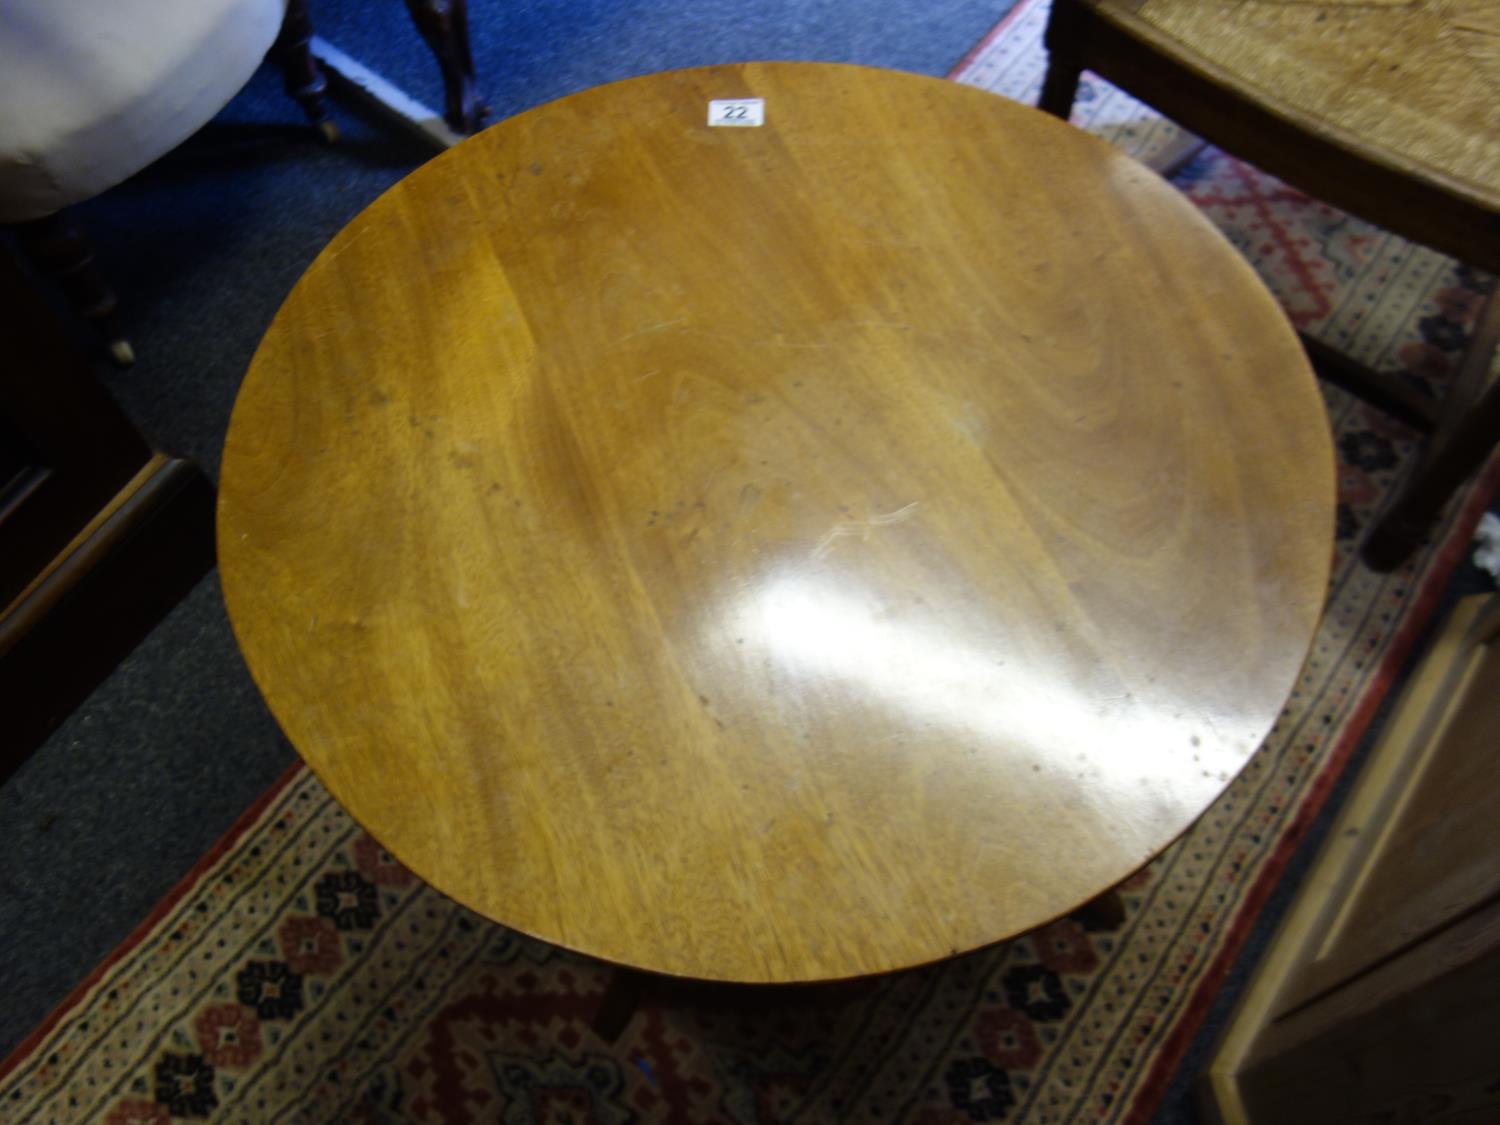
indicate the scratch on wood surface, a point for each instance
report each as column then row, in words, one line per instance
column 861, row 528
column 900, row 326
column 650, row 328
column 348, row 242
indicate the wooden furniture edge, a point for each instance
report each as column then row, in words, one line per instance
column 1463, row 226
column 1423, row 707
column 1383, row 817
column 77, row 543
column 1348, row 140
column 99, row 598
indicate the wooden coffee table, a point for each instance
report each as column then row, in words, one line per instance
column 777, row 553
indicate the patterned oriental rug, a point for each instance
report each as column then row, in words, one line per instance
column 298, row 974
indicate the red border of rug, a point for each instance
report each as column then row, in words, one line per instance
column 989, row 37
column 159, row 911
column 1154, row 1087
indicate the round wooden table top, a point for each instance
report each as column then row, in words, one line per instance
column 777, row 553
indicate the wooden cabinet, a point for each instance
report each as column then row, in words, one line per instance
column 1379, row 998
column 99, row 533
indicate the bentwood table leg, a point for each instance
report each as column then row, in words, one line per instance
column 622, row 996
column 1106, row 912
column 628, row 989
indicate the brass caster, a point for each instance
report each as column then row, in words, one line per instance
column 121, row 353
column 330, row 131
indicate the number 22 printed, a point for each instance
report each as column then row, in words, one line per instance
column 740, row 112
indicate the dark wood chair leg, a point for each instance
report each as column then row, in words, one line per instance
column 59, row 248
column 1405, row 525
column 1060, row 86
column 1466, row 435
column 305, row 82
column 1064, row 40
column 444, row 25
column 1378, row 388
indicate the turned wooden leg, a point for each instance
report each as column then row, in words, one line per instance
column 444, row 25
column 305, row 82
column 58, row 247
column 1467, row 433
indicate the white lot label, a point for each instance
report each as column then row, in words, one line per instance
column 742, row 112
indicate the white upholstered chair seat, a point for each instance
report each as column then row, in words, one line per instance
column 91, row 91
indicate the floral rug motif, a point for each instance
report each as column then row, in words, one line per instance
column 300, row 975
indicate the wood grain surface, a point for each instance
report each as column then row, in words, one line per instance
column 780, row 553
column 1410, row 84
